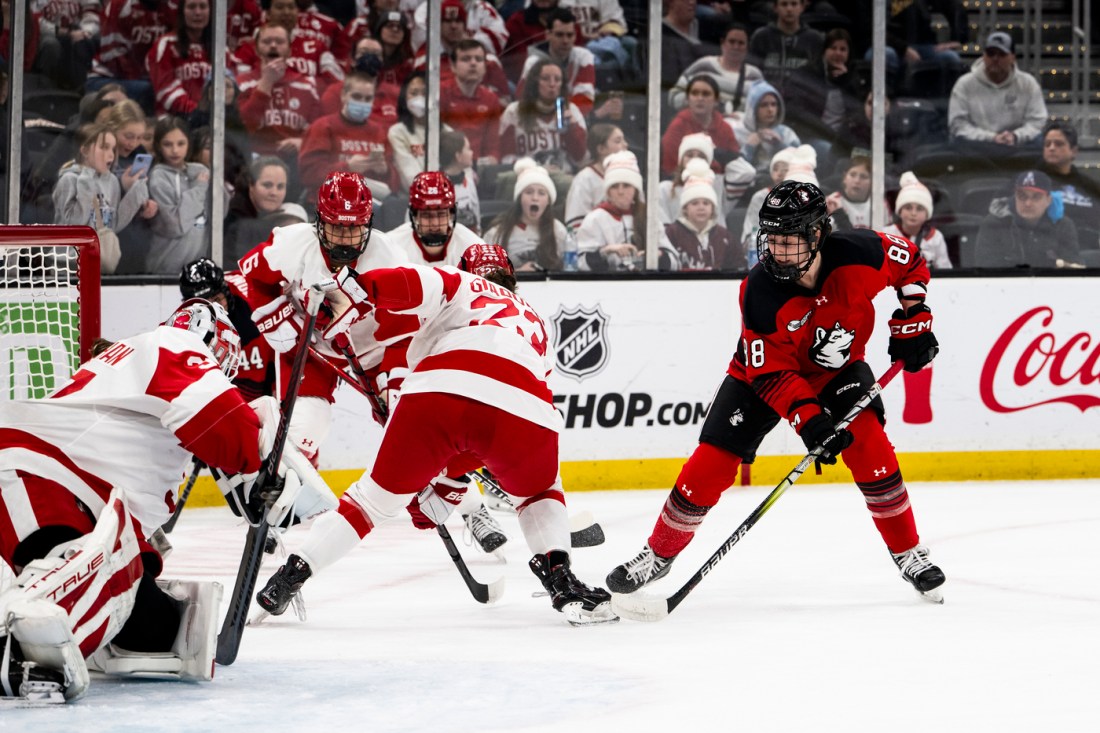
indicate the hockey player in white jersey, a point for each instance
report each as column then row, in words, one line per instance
column 432, row 236
column 279, row 273
column 476, row 395
column 87, row 476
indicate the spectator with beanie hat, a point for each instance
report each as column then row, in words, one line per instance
column 698, row 239
column 527, row 230
column 612, row 236
column 696, row 146
column 912, row 210
column 1031, row 232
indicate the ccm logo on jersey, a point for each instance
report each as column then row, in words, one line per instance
column 911, row 329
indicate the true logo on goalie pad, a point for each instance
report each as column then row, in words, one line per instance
column 581, row 341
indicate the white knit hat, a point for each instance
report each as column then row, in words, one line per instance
column 802, row 164
column 697, row 141
column 913, row 192
column 698, row 183
column 530, row 173
column 621, row 167
column 782, row 156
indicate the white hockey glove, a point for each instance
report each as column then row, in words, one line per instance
column 358, row 303
column 437, row 501
column 280, row 323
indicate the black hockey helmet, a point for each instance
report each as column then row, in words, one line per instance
column 202, row 279
column 792, row 208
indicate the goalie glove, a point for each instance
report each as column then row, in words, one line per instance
column 815, row 426
column 280, row 323
column 911, row 337
column 358, row 303
column 434, row 503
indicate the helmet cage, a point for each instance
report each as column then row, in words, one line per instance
column 340, row 255
column 783, row 215
column 432, row 191
column 211, row 323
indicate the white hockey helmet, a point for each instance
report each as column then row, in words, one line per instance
column 211, row 322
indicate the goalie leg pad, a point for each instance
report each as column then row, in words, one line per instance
column 192, row 654
column 42, row 630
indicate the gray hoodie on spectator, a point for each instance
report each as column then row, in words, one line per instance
column 979, row 109
column 80, row 189
column 180, row 228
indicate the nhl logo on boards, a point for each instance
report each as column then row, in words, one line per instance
column 580, row 335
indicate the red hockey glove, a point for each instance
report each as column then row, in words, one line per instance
column 280, row 324
column 819, row 430
column 911, row 337
column 435, row 503
column 353, row 298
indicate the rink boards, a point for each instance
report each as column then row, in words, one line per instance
column 1014, row 393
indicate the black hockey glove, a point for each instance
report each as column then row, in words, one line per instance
column 911, row 337
column 819, row 430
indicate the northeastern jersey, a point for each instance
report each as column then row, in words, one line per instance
column 794, row 340
column 131, row 417
column 291, row 260
column 478, row 339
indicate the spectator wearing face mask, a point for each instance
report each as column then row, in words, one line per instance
column 349, row 141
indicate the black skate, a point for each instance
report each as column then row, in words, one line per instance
column 27, row 684
column 919, row 572
column 284, row 585
column 580, row 604
column 645, row 568
column 485, row 530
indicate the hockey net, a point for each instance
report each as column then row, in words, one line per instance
column 49, row 306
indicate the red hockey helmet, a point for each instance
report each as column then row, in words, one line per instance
column 344, row 201
column 432, row 191
column 211, row 323
column 482, row 259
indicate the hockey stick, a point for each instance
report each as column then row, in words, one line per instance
column 229, row 638
column 642, row 608
column 196, row 469
column 481, row 592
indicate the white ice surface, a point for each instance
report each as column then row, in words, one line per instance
column 804, row 626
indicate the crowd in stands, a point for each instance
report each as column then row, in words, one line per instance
column 543, row 115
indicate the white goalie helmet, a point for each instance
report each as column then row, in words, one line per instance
column 211, row 322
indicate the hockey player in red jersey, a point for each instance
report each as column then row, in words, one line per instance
column 88, row 476
column 807, row 314
column 476, row 395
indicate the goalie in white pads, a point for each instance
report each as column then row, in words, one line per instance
column 87, row 475
column 476, row 395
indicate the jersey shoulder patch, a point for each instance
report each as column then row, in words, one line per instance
column 854, row 247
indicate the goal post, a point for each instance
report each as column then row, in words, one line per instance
column 49, row 306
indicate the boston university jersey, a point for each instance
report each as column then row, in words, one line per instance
column 130, row 418
column 461, row 239
column 794, row 340
column 478, row 340
column 291, row 260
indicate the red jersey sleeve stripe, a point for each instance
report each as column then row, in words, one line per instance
column 224, row 434
column 491, row 366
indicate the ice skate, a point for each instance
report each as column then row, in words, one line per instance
column 284, row 585
column 484, row 530
column 919, row 572
column 26, row 684
column 581, row 604
column 645, row 568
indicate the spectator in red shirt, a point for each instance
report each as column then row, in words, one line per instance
column 179, row 62
column 349, row 141
column 397, row 57
column 468, row 106
column 700, row 115
column 453, row 31
column 128, row 29
column 525, row 28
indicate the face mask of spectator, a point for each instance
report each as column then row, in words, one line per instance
column 417, row 106
column 359, row 111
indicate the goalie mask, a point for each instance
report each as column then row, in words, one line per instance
column 794, row 222
column 211, row 322
column 432, row 208
column 203, row 279
column 484, row 259
column 345, row 213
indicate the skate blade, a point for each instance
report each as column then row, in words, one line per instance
column 257, row 617
column 932, row 596
column 639, row 607
column 575, row 615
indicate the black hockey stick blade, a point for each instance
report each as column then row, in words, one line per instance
column 481, row 592
column 229, row 638
column 584, row 531
column 196, row 469
column 640, row 607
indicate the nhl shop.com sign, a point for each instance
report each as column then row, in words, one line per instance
column 580, row 335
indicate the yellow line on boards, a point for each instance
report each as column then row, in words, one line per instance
column 660, row 473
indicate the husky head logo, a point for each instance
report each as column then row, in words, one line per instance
column 737, row 417
column 580, row 335
column 832, row 348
